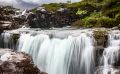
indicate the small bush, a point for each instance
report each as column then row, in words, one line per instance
column 81, row 12
column 96, row 20
column 106, row 22
column 117, row 17
column 87, row 23
column 111, row 8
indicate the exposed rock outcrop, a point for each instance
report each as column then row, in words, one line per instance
column 101, row 37
column 45, row 19
column 17, row 63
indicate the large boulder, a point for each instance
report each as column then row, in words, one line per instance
column 17, row 63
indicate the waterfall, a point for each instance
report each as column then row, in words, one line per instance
column 6, row 41
column 111, row 54
column 67, row 52
column 71, row 55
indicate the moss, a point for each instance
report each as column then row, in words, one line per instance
column 100, row 33
column 15, row 38
column 101, row 36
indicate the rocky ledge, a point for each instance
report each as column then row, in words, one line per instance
column 12, row 62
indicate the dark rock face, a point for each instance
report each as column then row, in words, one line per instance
column 44, row 19
column 17, row 63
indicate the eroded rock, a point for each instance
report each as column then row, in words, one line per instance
column 17, row 63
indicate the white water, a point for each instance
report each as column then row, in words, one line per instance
column 6, row 41
column 71, row 55
column 111, row 54
column 67, row 52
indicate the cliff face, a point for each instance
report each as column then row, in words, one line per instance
column 12, row 62
column 45, row 19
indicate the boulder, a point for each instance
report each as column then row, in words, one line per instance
column 12, row 62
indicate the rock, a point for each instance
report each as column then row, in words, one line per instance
column 116, row 27
column 101, row 38
column 12, row 62
column 110, row 70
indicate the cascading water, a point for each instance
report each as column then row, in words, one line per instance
column 6, row 40
column 111, row 54
column 67, row 52
column 71, row 55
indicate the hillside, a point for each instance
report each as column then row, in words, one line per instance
column 90, row 13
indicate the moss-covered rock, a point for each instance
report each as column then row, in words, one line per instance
column 15, row 38
column 101, row 38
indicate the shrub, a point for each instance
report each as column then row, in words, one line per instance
column 96, row 20
column 106, row 22
column 111, row 8
column 81, row 12
column 117, row 17
column 51, row 6
column 83, row 5
column 87, row 22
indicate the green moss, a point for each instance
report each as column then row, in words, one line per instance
column 101, row 37
column 98, row 34
column 15, row 38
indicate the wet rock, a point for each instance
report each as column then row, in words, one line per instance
column 101, row 37
column 116, row 27
column 17, row 63
column 108, row 70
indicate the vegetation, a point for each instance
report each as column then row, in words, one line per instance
column 107, row 15
column 90, row 13
column 96, row 19
column 99, row 33
column 54, row 6
column 101, row 37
